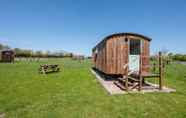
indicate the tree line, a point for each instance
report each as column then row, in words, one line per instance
column 47, row 54
column 177, row 57
column 30, row 53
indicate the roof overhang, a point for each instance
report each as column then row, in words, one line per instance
column 123, row 34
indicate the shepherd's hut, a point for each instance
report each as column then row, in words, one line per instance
column 117, row 51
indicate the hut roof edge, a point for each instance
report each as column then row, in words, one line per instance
column 125, row 33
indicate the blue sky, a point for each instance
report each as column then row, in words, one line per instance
column 78, row 25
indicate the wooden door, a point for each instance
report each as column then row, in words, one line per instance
column 134, row 54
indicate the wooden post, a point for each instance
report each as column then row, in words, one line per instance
column 126, row 78
column 140, row 83
column 154, row 67
column 140, row 74
column 127, row 69
column 160, row 71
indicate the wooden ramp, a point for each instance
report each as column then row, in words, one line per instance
column 113, row 88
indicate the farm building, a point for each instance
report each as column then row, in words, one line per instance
column 117, row 50
column 7, row 55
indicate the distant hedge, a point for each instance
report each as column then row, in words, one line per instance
column 179, row 57
column 30, row 53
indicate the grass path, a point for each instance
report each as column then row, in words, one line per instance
column 75, row 93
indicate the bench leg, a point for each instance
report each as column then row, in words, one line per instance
column 43, row 71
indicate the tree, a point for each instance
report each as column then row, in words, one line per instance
column 38, row 54
column 1, row 46
column 4, row 47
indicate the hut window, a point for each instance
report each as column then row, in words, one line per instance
column 135, row 47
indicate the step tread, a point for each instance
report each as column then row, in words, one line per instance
column 118, row 84
column 121, row 80
column 129, row 78
column 134, row 79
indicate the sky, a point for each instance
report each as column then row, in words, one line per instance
column 78, row 25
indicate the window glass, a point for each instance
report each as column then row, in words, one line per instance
column 135, row 47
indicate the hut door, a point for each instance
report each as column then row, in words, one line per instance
column 134, row 54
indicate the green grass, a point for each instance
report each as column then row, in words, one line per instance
column 75, row 93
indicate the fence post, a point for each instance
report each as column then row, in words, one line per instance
column 154, row 67
column 127, row 69
column 160, row 71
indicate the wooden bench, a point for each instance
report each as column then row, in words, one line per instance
column 48, row 68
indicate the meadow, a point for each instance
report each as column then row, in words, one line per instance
column 75, row 93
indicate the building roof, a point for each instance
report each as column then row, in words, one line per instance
column 123, row 34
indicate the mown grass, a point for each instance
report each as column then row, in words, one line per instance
column 74, row 93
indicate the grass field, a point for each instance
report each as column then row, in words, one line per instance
column 75, row 93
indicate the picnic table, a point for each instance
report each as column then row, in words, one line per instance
column 46, row 68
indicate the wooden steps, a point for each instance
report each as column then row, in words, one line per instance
column 130, row 79
column 123, row 81
column 133, row 79
column 135, row 85
column 132, row 83
column 120, row 85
